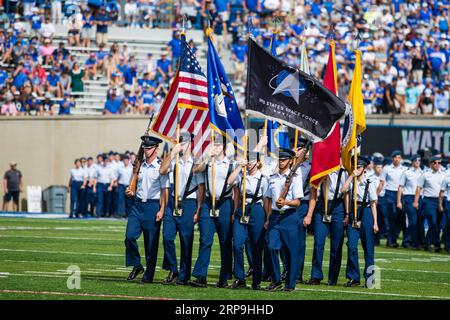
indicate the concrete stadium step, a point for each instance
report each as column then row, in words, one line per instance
column 88, row 94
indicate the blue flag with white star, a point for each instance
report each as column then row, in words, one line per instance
column 277, row 133
column 223, row 110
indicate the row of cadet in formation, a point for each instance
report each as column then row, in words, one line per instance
column 390, row 200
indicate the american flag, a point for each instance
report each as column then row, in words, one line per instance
column 186, row 103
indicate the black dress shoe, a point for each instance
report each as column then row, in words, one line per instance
column 283, row 275
column 288, row 289
column 238, row 284
column 181, row 282
column 312, row 282
column 146, row 281
column 135, row 272
column 199, row 283
column 256, row 287
column 249, row 273
column 331, row 284
column 299, row 281
column 267, row 279
column 392, row 245
column 171, row 277
column 275, row 286
column 222, row 284
column 351, row 283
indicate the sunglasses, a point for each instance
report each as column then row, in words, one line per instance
column 436, row 162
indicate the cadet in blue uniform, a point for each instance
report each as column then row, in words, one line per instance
column 382, row 222
column 444, row 204
column 405, row 199
column 282, row 221
column 123, row 177
column 147, row 212
column 216, row 218
column 191, row 189
column 251, row 225
column 302, row 210
column 90, row 196
column 390, row 179
column 430, row 183
column 102, row 186
column 331, row 224
column 77, row 183
column 366, row 213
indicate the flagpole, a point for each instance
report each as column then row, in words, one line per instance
column 355, row 160
column 265, row 133
column 296, row 139
column 355, row 193
column 213, row 191
column 244, row 179
column 177, row 156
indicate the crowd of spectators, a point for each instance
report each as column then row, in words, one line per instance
column 405, row 48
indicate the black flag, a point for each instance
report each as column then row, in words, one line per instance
column 280, row 92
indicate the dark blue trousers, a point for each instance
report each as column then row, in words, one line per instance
column 91, row 200
column 208, row 226
column 302, row 211
column 254, row 232
column 446, row 234
column 83, row 202
column 184, row 225
column 248, row 253
column 335, row 229
column 365, row 233
column 412, row 231
column 283, row 234
column 142, row 220
column 114, row 198
column 430, row 211
column 124, row 203
column 382, row 219
column 103, row 200
column 394, row 217
column 75, row 197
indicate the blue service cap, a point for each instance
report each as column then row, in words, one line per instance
column 396, row 153
column 377, row 161
column 362, row 161
column 125, row 156
column 414, row 157
column 149, row 141
column 301, row 142
column 285, row 153
column 435, row 158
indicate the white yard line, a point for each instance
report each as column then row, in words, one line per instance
column 119, row 296
column 374, row 293
column 58, row 238
column 121, row 255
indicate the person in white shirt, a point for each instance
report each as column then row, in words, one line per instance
column 390, row 179
column 405, row 198
column 282, row 221
column 47, row 28
column 123, row 176
column 430, row 183
column 77, row 183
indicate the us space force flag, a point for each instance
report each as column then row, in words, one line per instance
column 280, row 92
column 277, row 133
column 223, row 110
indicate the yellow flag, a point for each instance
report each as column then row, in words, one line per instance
column 358, row 125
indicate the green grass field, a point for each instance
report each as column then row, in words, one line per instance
column 35, row 254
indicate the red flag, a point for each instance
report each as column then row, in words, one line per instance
column 326, row 154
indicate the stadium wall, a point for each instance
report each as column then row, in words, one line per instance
column 45, row 147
